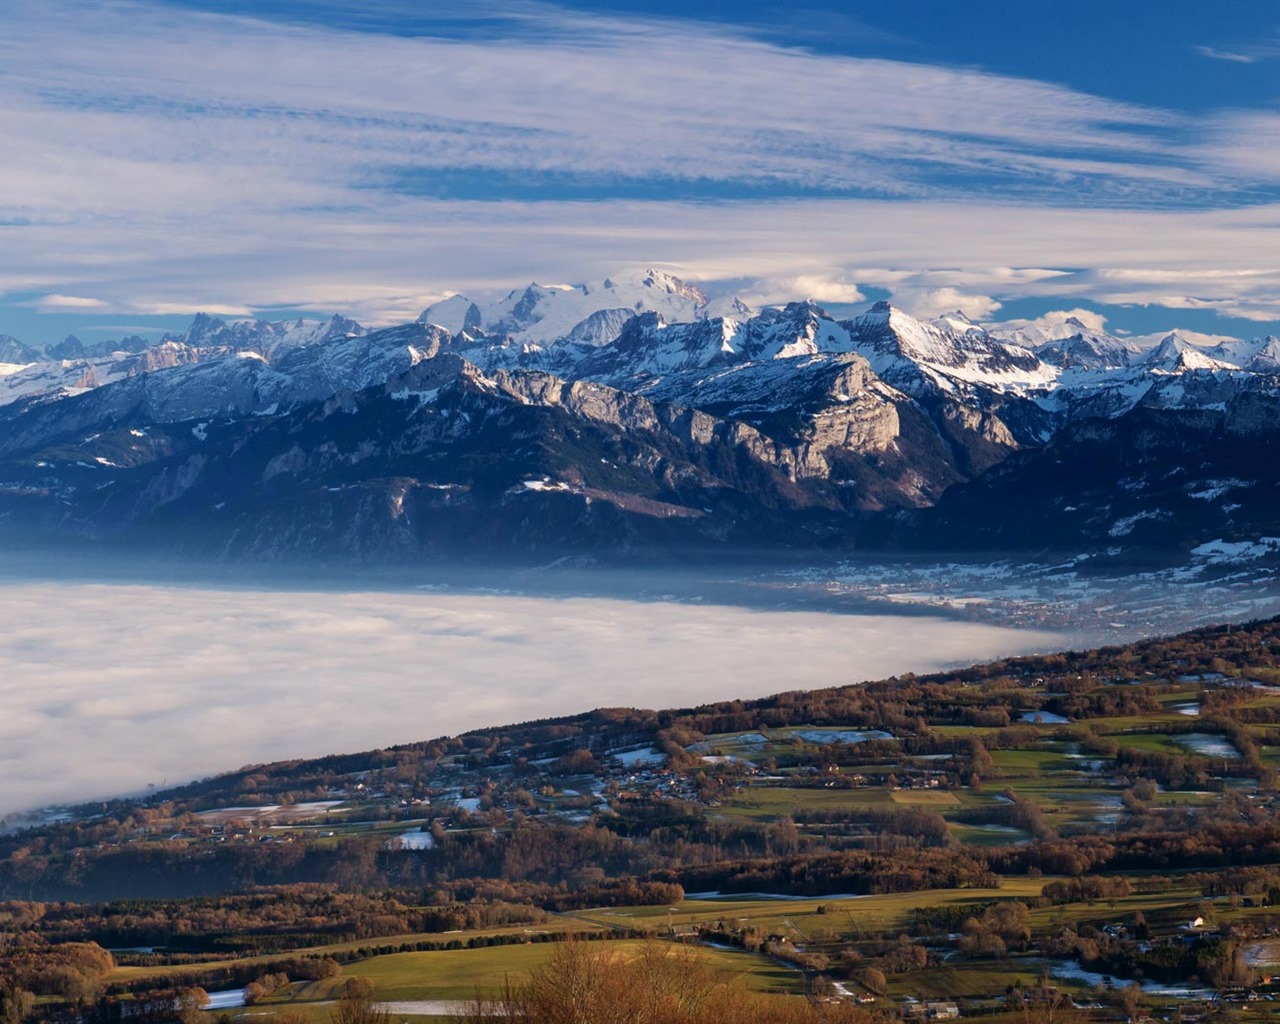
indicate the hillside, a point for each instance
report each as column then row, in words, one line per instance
column 1089, row 814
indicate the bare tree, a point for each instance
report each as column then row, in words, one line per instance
column 356, row 1005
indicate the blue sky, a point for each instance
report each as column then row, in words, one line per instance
column 275, row 157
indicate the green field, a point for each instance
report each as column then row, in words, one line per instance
column 770, row 802
column 464, row 974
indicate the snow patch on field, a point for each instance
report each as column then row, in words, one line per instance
column 412, row 841
column 1123, row 527
column 1212, row 490
column 1207, row 745
column 643, row 756
column 1042, row 718
column 1227, row 552
column 825, row 736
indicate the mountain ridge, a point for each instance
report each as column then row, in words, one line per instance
column 784, row 427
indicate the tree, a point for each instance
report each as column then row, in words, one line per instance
column 191, row 1001
column 583, row 983
column 871, row 978
column 1141, row 930
column 1053, row 1013
column 15, row 1004
column 356, row 1005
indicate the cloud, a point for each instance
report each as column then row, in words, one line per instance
column 122, row 329
column 820, row 288
column 1251, row 53
column 223, row 173
column 1243, row 144
column 588, row 97
column 152, row 684
column 387, row 273
column 63, row 303
column 1059, row 317
column 187, row 308
column 1227, row 55
column 938, row 301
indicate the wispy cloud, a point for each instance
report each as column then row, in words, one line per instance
column 208, row 680
column 1247, row 53
column 610, row 98
column 250, row 164
column 1228, row 55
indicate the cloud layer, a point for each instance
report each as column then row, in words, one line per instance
column 174, row 160
column 106, row 688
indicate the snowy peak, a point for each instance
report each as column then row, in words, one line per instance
column 593, row 313
column 1087, row 350
column 456, row 314
column 544, row 315
column 266, row 337
column 648, row 347
column 732, row 307
column 601, row 327
column 14, row 352
column 797, row 329
column 69, row 347
column 1177, row 355
column 669, row 284
column 955, row 323
column 521, row 310
column 948, row 351
column 890, row 331
column 1260, row 355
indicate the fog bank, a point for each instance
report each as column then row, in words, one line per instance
column 105, row 689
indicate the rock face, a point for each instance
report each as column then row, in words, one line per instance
column 634, row 414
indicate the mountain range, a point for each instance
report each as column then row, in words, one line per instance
column 637, row 415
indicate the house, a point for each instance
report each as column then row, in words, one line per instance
column 1047, row 995
column 930, row 1010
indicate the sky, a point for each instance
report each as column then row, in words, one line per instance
column 368, row 157
column 155, row 685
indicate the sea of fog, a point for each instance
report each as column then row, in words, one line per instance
column 108, row 687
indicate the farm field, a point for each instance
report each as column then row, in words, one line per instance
column 1052, row 830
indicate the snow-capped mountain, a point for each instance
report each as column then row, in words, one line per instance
column 1260, row 355
column 593, row 313
column 15, row 353
column 948, row 353
column 266, row 337
column 71, row 367
column 1088, row 349
column 633, row 408
column 1177, row 355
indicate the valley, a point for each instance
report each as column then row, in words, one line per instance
column 1095, row 828
column 613, row 512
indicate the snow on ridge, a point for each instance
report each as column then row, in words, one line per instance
column 588, row 331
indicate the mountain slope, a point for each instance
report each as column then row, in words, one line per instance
column 635, row 412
